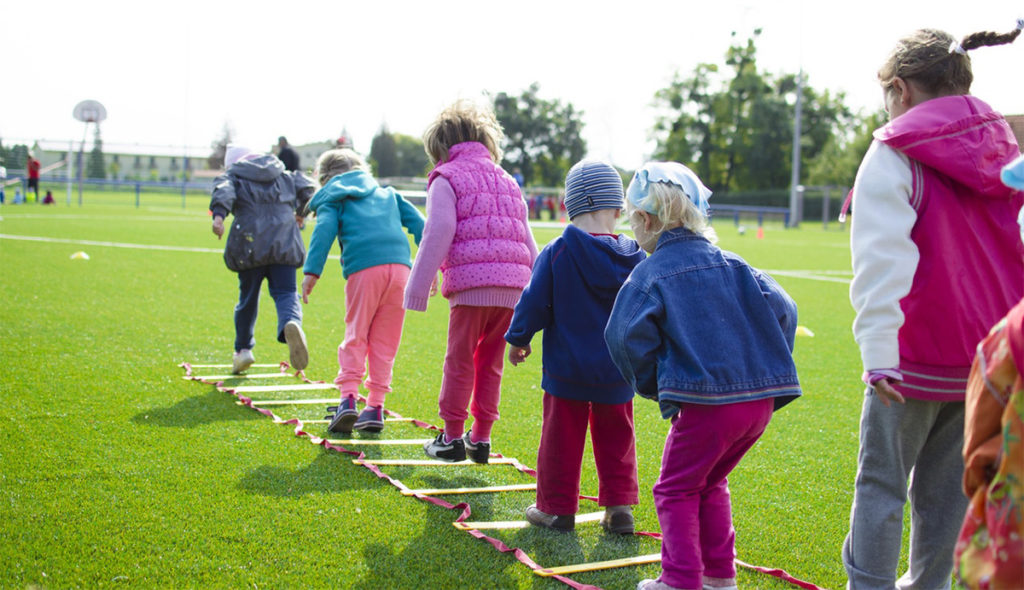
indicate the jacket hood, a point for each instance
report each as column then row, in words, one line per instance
column 354, row 184
column 606, row 266
column 265, row 168
column 961, row 137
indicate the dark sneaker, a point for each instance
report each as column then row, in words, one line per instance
column 557, row 522
column 479, row 452
column 452, row 452
column 344, row 416
column 618, row 520
column 371, row 419
column 298, row 354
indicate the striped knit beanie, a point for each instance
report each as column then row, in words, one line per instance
column 592, row 185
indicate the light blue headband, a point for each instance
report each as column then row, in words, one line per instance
column 668, row 172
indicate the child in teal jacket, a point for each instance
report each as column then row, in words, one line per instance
column 367, row 221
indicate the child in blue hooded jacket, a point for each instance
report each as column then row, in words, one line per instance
column 570, row 295
column 367, row 221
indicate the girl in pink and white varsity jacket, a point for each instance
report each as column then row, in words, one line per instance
column 937, row 260
column 477, row 234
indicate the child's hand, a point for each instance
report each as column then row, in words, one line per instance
column 300, row 220
column 886, row 393
column 433, row 287
column 518, row 354
column 308, row 282
column 218, row 226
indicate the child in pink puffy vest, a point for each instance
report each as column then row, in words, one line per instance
column 477, row 235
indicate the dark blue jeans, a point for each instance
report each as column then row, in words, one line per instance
column 281, row 282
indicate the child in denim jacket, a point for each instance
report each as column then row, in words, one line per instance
column 710, row 339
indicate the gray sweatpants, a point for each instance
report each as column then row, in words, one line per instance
column 921, row 441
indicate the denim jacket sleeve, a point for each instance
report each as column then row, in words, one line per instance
column 633, row 338
column 324, row 234
column 780, row 303
column 535, row 311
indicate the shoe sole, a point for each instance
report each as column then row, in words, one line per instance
column 619, row 530
column 343, row 423
column 242, row 367
column 298, row 354
column 369, row 426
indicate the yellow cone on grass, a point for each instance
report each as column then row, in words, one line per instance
column 804, row 331
column 79, row 256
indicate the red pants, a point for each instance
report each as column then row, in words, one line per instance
column 472, row 368
column 560, row 456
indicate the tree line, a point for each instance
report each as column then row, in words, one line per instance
column 732, row 123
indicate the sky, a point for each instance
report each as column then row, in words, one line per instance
column 175, row 73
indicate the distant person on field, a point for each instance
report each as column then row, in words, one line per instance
column 32, row 166
column 367, row 222
column 48, row 199
column 3, row 180
column 288, row 156
column 478, row 234
column 709, row 338
column 937, row 260
column 264, row 244
column 570, row 295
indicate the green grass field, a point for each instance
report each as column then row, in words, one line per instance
column 116, row 471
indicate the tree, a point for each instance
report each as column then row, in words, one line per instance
column 735, row 127
column 95, row 166
column 839, row 160
column 542, row 137
column 220, row 147
column 383, row 154
column 412, row 159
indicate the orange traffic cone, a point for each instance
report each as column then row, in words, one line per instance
column 760, row 233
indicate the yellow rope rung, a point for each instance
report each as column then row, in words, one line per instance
column 264, row 366
column 290, row 402
column 432, row 462
column 379, row 441
column 525, row 487
column 517, row 524
column 266, row 388
column 328, row 421
column 598, row 565
column 241, row 376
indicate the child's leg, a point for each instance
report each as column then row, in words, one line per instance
column 717, row 535
column 934, row 496
column 362, row 294
column 563, row 436
column 281, row 284
column 385, row 333
column 458, row 375
column 705, row 442
column 488, row 362
column 249, row 283
column 890, row 441
column 611, row 433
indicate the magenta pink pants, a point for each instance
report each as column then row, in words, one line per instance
column 472, row 368
column 560, row 456
column 703, row 446
column 373, row 330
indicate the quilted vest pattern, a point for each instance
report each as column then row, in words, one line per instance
column 489, row 247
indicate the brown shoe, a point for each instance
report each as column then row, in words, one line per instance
column 558, row 522
column 618, row 520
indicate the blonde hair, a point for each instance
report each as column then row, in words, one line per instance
column 460, row 122
column 936, row 61
column 674, row 209
column 338, row 161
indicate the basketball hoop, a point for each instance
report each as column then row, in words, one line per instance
column 89, row 111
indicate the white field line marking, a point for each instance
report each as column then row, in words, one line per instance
column 121, row 245
column 813, row 275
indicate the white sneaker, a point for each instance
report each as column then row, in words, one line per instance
column 241, row 361
column 298, row 354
